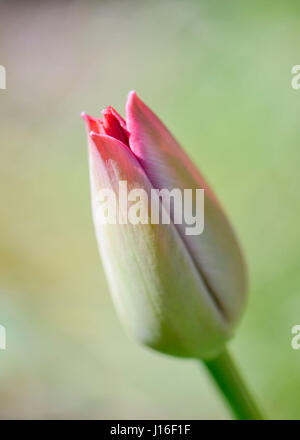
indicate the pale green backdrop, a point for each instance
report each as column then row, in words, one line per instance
column 219, row 75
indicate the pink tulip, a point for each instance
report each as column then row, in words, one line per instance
column 177, row 293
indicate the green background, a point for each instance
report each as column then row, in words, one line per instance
column 219, row 75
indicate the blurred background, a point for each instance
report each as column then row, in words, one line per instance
column 219, row 75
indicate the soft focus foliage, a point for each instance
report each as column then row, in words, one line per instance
column 218, row 74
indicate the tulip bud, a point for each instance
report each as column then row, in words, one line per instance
column 177, row 293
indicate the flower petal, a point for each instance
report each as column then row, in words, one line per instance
column 91, row 124
column 155, row 284
column 215, row 252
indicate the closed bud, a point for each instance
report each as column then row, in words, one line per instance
column 178, row 288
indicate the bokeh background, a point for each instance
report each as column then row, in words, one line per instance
column 219, row 75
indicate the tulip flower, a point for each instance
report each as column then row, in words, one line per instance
column 180, row 294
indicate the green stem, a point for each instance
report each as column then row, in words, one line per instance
column 233, row 387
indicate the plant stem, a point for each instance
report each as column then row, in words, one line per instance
column 228, row 378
